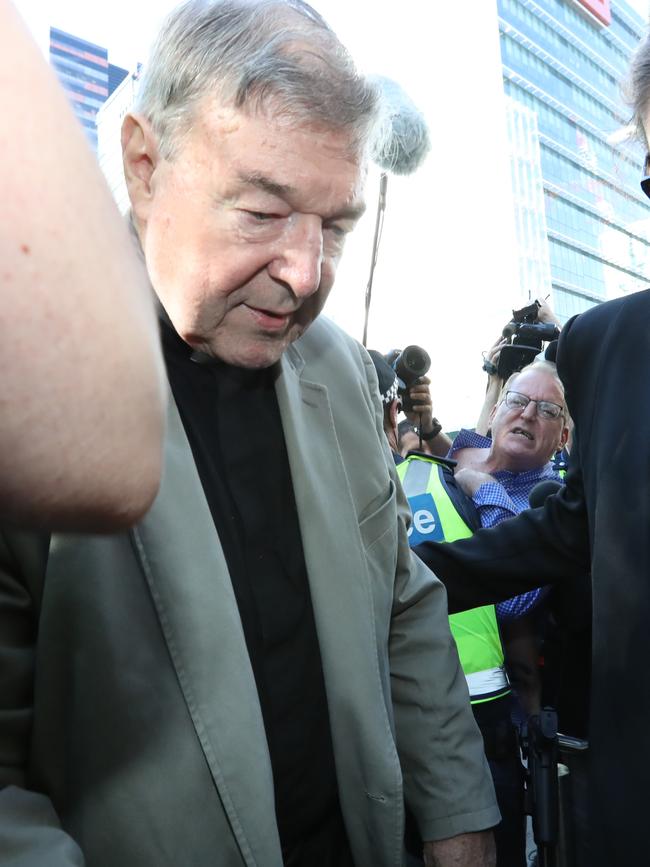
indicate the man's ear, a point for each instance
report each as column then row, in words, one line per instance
column 563, row 438
column 394, row 412
column 390, row 425
column 140, row 157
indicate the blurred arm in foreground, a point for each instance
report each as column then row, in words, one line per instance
column 81, row 392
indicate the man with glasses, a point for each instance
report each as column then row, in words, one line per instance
column 599, row 521
column 528, row 425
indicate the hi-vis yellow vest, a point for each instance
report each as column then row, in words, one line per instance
column 476, row 632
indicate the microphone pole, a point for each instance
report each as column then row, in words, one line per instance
column 379, row 225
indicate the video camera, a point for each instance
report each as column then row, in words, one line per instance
column 409, row 365
column 526, row 334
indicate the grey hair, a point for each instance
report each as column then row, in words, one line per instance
column 636, row 87
column 249, row 54
column 539, row 364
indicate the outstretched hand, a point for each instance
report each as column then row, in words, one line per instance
column 469, row 480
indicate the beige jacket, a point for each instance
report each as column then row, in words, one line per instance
column 144, row 740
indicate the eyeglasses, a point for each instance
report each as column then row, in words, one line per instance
column 645, row 181
column 545, row 408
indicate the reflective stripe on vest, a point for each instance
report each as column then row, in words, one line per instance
column 488, row 684
column 476, row 632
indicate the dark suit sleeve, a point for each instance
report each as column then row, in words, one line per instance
column 540, row 546
column 30, row 833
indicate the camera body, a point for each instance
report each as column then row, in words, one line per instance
column 526, row 335
column 409, row 365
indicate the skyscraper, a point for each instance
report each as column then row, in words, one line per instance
column 109, row 124
column 116, row 75
column 565, row 60
column 86, row 75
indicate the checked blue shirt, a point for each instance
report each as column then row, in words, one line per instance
column 506, row 497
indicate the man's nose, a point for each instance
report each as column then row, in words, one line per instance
column 300, row 256
column 530, row 410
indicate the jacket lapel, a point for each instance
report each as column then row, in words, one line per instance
column 338, row 577
column 188, row 577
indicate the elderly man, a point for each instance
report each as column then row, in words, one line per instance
column 528, row 425
column 259, row 673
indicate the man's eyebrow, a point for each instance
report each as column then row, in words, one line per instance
column 350, row 212
column 264, row 183
column 286, row 191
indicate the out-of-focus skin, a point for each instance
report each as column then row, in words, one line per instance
column 82, row 394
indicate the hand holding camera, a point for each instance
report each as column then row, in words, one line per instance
column 524, row 336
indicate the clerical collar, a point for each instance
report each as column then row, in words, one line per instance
column 175, row 344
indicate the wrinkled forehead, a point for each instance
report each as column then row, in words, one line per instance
column 540, row 385
column 273, row 114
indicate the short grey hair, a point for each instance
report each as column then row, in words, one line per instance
column 541, row 365
column 636, row 87
column 253, row 55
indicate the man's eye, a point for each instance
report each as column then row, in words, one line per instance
column 336, row 230
column 261, row 216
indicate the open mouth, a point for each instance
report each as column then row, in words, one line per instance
column 519, row 431
column 269, row 319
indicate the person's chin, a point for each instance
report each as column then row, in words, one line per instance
column 519, row 443
column 250, row 354
column 518, row 449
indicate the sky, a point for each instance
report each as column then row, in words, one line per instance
column 104, row 22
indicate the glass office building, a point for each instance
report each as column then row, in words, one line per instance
column 564, row 60
column 533, row 263
column 116, row 75
column 86, row 75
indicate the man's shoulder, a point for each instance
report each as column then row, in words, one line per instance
column 324, row 332
column 597, row 320
column 605, row 335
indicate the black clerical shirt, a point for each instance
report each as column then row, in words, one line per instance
column 232, row 421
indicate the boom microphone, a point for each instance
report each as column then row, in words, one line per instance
column 542, row 491
column 400, row 144
column 402, row 140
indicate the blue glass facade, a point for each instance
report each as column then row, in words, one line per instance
column 567, row 68
column 83, row 70
column 116, row 76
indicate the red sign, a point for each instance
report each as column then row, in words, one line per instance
column 599, row 9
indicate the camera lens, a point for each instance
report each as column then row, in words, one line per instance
column 416, row 360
